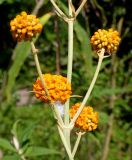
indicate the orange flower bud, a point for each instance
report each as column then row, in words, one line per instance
column 87, row 120
column 22, row 27
column 109, row 40
column 58, row 87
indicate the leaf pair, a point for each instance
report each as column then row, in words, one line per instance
column 24, row 143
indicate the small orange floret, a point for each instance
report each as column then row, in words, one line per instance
column 87, row 120
column 25, row 27
column 58, row 87
column 109, row 40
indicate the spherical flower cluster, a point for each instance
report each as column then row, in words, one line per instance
column 25, row 27
column 58, row 87
column 109, row 40
column 87, row 120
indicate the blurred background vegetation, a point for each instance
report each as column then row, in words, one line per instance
column 111, row 96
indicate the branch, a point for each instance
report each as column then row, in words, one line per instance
column 77, row 143
column 58, row 10
column 39, row 4
column 101, row 56
column 69, row 69
column 34, row 51
column 80, row 7
column 65, row 144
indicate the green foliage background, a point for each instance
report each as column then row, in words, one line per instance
column 18, row 73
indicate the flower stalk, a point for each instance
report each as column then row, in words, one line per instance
column 35, row 51
column 59, row 12
column 101, row 56
column 79, row 135
column 63, row 138
column 80, row 7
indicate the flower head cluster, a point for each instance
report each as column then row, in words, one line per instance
column 87, row 120
column 25, row 27
column 58, row 87
column 109, row 40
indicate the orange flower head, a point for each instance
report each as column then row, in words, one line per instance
column 58, row 87
column 25, row 27
column 87, row 120
column 109, row 40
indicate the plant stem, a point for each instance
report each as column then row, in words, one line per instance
column 77, row 143
column 37, row 7
column 70, row 50
column 58, row 10
column 65, row 144
column 69, row 70
column 34, row 50
column 101, row 56
column 80, row 7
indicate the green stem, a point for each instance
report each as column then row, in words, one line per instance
column 77, row 143
column 65, row 144
column 69, row 70
column 70, row 50
column 80, row 7
column 101, row 56
column 34, row 51
column 59, row 12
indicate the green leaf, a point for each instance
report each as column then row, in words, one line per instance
column 15, row 128
column 7, row 1
column 27, row 132
column 85, row 47
column 38, row 151
column 5, row 144
column 14, row 157
column 21, row 134
column 95, row 139
column 21, row 51
column 103, row 118
column 1, row 1
column 45, row 18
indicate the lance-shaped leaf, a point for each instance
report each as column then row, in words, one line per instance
column 13, row 157
column 5, row 144
column 38, row 151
